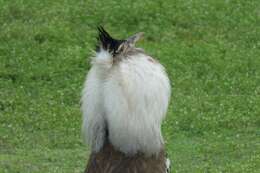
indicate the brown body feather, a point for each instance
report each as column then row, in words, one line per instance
column 109, row 160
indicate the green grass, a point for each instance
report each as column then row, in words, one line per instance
column 211, row 50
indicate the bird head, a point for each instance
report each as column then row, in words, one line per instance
column 114, row 46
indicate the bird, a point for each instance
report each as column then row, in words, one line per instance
column 124, row 101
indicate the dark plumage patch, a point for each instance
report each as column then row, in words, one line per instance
column 106, row 42
column 110, row 160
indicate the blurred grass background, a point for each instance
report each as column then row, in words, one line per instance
column 211, row 50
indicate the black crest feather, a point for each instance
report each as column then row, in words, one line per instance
column 106, row 42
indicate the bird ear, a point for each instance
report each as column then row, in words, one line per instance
column 133, row 39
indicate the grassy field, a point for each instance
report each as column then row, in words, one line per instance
column 210, row 48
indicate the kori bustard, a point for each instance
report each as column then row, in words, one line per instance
column 125, row 99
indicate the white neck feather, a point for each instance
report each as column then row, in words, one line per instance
column 130, row 99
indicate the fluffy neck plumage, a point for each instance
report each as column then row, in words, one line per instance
column 129, row 99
